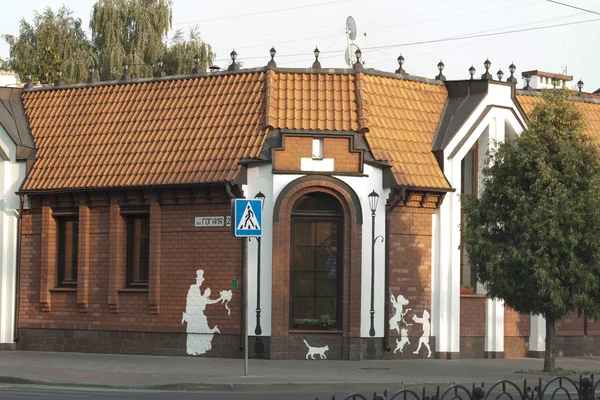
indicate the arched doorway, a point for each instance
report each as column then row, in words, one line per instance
column 316, row 265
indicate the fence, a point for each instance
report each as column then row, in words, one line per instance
column 559, row 388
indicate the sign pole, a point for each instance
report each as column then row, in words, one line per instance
column 246, row 316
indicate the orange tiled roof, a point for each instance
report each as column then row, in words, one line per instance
column 402, row 119
column 314, row 102
column 590, row 110
column 147, row 133
column 197, row 129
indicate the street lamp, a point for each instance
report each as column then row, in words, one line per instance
column 259, row 347
column 373, row 199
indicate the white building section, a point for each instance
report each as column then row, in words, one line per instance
column 15, row 146
column 491, row 109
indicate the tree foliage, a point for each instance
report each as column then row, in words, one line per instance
column 131, row 31
column 53, row 41
column 179, row 58
column 123, row 31
column 533, row 236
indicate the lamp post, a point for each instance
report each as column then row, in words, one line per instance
column 373, row 199
column 259, row 347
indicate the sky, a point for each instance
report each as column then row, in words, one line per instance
column 423, row 31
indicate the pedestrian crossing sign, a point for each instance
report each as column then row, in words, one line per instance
column 247, row 217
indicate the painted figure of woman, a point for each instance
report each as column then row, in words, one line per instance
column 199, row 334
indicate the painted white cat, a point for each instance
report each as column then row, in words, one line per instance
column 316, row 350
column 402, row 342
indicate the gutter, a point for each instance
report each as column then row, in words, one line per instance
column 18, row 270
column 386, row 302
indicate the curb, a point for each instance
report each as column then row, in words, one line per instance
column 364, row 387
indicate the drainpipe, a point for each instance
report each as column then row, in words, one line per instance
column 18, row 270
column 241, row 346
column 386, row 302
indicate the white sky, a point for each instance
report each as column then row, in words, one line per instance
column 295, row 27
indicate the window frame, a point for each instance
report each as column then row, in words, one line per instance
column 62, row 217
column 336, row 217
column 130, row 216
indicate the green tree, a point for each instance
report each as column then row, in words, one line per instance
column 132, row 32
column 53, row 41
column 179, row 58
column 534, row 234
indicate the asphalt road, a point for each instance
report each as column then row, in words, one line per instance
column 20, row 392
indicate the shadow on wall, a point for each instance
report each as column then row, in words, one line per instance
column 410, row 241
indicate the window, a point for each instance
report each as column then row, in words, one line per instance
column 68, row 232
column 316, row 262
column 317, row 149
column 138, row 249
column 469, row 180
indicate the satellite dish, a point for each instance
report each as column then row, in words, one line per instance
column 351, row 54
column 351, row 28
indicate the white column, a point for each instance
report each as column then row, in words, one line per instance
column 446, row 274
column 494, row 329
column 494, row 319
column 537, row 334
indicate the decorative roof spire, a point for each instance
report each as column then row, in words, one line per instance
column 511, row 78
column 316, row 64
column 234, row 65
column 440, row 76
column 358, row 64
column 401, row 70
column 487, row 76
column 272, row 63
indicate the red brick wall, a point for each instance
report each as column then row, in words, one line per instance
column 410, row 260
column 516, row 324
column 571, row 325
column 179, row 249
column 295, row 148
column 472, row 315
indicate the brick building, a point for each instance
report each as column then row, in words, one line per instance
column 126, row 246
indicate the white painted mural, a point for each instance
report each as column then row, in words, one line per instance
column 312, row 351
column 398, row 316
column 199, row 334
column 403, row 341
column 424, row 339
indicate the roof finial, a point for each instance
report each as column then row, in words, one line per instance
column 272, row 63
column 125, row 75
column 91, row 70
column 511, row 78
column 58, row 80
column 159, row 68
column 358, row 64
column 472, row 71
column 487, row 76
column 316, row 64
column 500, row 74
column 28, row 85
column 401, row 70
column 234, row 65
column 527, row 80
column 440, row 76
column 196, row 68
column 580, row 87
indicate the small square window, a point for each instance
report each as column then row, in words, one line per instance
column 317, row 149
column 138, row 250
column 68, row 241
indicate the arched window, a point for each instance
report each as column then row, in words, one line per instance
column 316, row 259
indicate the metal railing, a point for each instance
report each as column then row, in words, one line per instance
column 559, row 388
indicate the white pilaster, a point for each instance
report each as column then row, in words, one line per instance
column 537, row 333
column 494, row 329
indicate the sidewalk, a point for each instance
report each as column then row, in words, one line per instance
column 215, row 374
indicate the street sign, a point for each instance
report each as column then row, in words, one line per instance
column 247, row 218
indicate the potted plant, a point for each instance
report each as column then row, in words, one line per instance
column 311, row 324
column 466, row 289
